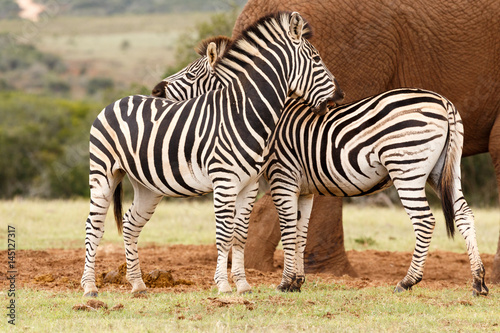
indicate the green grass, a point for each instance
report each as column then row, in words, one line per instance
column 390, row 229
column 323, row 308
column 93, row 45
column 61, row 224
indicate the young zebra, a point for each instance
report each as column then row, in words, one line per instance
column 405, row 137
column 215, row 142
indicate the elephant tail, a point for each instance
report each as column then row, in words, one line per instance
column 117, row 205
column 449, row 180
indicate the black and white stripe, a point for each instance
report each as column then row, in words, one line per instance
column 405, row 137
column 197, row 78
column 214, row 142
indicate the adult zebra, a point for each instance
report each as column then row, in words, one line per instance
column 405, row 137
column 215, row 142
column 196, row 78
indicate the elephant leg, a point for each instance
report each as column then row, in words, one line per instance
column 244, row 205
column 494, row 149
column 305, row 205
column 263, row 235
column 325, row 250
column 135, row 219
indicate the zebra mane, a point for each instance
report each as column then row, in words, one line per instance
column 274, row 21
column 222, row 43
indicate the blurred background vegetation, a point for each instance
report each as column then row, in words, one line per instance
column 58, row 73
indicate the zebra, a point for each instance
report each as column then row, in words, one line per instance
column 215, row 142
column 406, row 137
column 198, row 76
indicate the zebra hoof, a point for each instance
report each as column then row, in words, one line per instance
column 90, row 294
column 283, row 287
column 297, row 284
column 482, row 292
column 243, row 287
column 479, row 287
column 140, row 292
column 399, row 289
column 225, row 288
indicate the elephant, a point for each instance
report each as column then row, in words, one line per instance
column 450, row 47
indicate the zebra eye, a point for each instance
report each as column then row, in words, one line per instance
column 190, row 76
column 317, row 58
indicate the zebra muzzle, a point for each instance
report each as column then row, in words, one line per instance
column 321, row 108
column 159, row 90
column 331, row 101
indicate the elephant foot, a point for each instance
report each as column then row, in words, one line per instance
column 224, row 287
column 242, row 287
column 90, row 290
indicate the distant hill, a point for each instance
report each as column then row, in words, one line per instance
column 9, row 8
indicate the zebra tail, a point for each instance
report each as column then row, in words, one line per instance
column 447, row 178
column 118, row 210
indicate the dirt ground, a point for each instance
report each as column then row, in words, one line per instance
column 192, row 268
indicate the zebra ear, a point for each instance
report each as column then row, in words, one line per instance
column 296, row 25
column 212, row 54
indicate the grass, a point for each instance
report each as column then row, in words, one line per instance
column 390, row 229
column 323, row 308
column 61, row 224
column 94, row 45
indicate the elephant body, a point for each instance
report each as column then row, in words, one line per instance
column 450, row 47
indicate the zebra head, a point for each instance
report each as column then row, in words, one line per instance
column 198, row 77
column 310, row 80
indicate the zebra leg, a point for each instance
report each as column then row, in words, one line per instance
column 224, row 207
column 415, row 203
column 286, row 203
column 137, row 216
column 464, row 220
column 102, row 187
column 244, row 206
column 303, row 215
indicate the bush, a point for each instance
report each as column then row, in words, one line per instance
column 99, row 85
column 219, row 24
column 44, row 142
column 8, row 9
column 479, row 181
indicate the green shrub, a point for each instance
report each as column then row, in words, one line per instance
column 8, row 9
column 44, row 144
column 99, row 85
column 219, row 24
